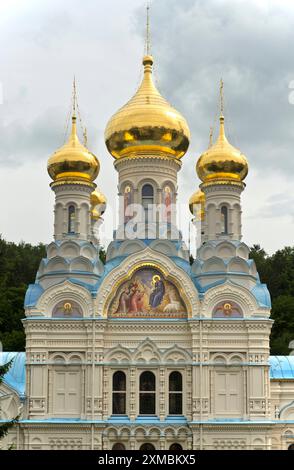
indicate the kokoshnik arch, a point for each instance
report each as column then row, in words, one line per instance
column 148, row 351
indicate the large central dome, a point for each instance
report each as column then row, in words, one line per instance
column 147, row 125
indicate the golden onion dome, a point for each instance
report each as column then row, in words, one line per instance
column 222, row 161
column 98, row 204
column 73, row 161
column 197, row 199
column 147, row 124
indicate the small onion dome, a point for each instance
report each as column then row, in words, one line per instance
column 222, row 161
column 73, row 161
column 197, row 199
column 98, row 204
column 147, row 125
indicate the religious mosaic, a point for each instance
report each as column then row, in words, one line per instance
column 227, row 310
column 67, row 309
column 148, row 294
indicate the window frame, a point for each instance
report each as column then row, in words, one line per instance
column 151, row 199
column 175, row 392
column 155, row 393
column 225, row 223
column 117, row 392
column 71, row 214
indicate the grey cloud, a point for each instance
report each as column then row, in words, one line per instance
column 30, row 141
column 275, row 207
column 247, row 44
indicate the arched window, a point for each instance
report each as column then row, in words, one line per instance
column 147, row 393
column 147, row 198
column 291, row 447
column 176, row 446
column 147, row 447
column 224, row 220
column 175, row 393
column 119, row 393
column 71, row 219
column 118, row 446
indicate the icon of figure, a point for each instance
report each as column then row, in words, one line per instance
column 136, row 303
column 124, row 301
column 158, row 291
column 167, row 198
column 67, row 308
column 227, row 309
column 127, row 202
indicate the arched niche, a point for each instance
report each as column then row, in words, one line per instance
column 147, row 293
column 67, row 309
column 227, row 309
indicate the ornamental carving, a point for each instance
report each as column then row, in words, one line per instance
column 66, row 293
column 232, row 294
column 148, row 259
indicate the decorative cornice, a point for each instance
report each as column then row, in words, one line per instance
column 217, row 185
column 63, row 291
column 133, row 161
column 59, row 186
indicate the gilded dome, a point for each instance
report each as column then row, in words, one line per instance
column 73, row 160
column 147, row 124
column 98, row 204
column 222, row 161
column 197, row 199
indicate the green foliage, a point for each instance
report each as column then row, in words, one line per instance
column 19, row 264
column 4, row 427
column 18, row 267
column 3, row 369
column 277, row 271
column 102, row 255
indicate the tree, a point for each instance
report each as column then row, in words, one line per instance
column 4, row 427
column 18, row 267
column 277, row 271
column 102, row 255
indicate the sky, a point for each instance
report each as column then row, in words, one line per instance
column 195, row 43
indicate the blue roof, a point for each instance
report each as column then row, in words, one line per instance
column 281, row 367
column 15, row 378
column 33, row 294
column 262, row 295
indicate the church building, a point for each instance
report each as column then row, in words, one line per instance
column 148, row 351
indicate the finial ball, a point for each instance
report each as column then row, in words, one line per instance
column 148, row 60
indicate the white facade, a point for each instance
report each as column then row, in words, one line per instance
column 148, row 350
column 228, row 399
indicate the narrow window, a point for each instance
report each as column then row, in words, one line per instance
column 147, row 447
column 176, row 446
column 118, row 446
column 147, row 393
column 71, row 219
column 147, row 198
column 224, row 220
column 175, row 393
column 119, row 393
